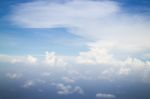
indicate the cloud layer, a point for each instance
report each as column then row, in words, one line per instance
column 95, row 64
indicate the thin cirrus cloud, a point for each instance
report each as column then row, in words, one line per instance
column 98, row 21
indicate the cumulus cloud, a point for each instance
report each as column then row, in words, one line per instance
column 95, row 56
column 24, row 59
column 99, row 55
column 68, row 89
column 29, row 59
column 50, row 58
column 5, row 58
column 53, row 60
column 28, row 84
column 14, row 75
column 96, row 63
column 124, row 71
column 68, row 80
column 46, row 74
column 78, row 90
column 99, row 21
column 111, row 67
column 105, row 96
column 147, row 55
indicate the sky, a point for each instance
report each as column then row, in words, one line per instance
column 69, row 49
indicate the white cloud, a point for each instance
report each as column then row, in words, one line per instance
column 29, row 59
column 46, row 74
column 5, row 58
column 108, row 28
column 103, row 55
column 102, row 66
column 14, row 75
column 95, row 56
column 56, row 14
column 68, row 89
column 24, row 59
column 28, row 84
column 124, row 71
column 53, row 60
column 68, row 80
column 105, row 96
column 78, row 90
column 64, row 90
column 111, row 67
column 100, row 21
column 147, row 55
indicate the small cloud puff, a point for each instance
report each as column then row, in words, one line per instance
column 68, row 89
column 53, row 60
column 14, row 75
column 28, row 84
column 24, row 59
column 105, row 96
column 68, row 80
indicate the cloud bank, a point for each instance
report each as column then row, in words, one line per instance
column 95, row 64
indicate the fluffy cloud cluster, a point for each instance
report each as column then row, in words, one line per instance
column 68, row 89
column 111, row 66
column 95, row 56
column 96, row 63
column 50, row 59
column 99, row 55
column 53, row 60
column 68, row 80
column 18, row 59
column 13, row 75
column 28, row 84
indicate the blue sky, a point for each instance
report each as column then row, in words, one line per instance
column 69, row 49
